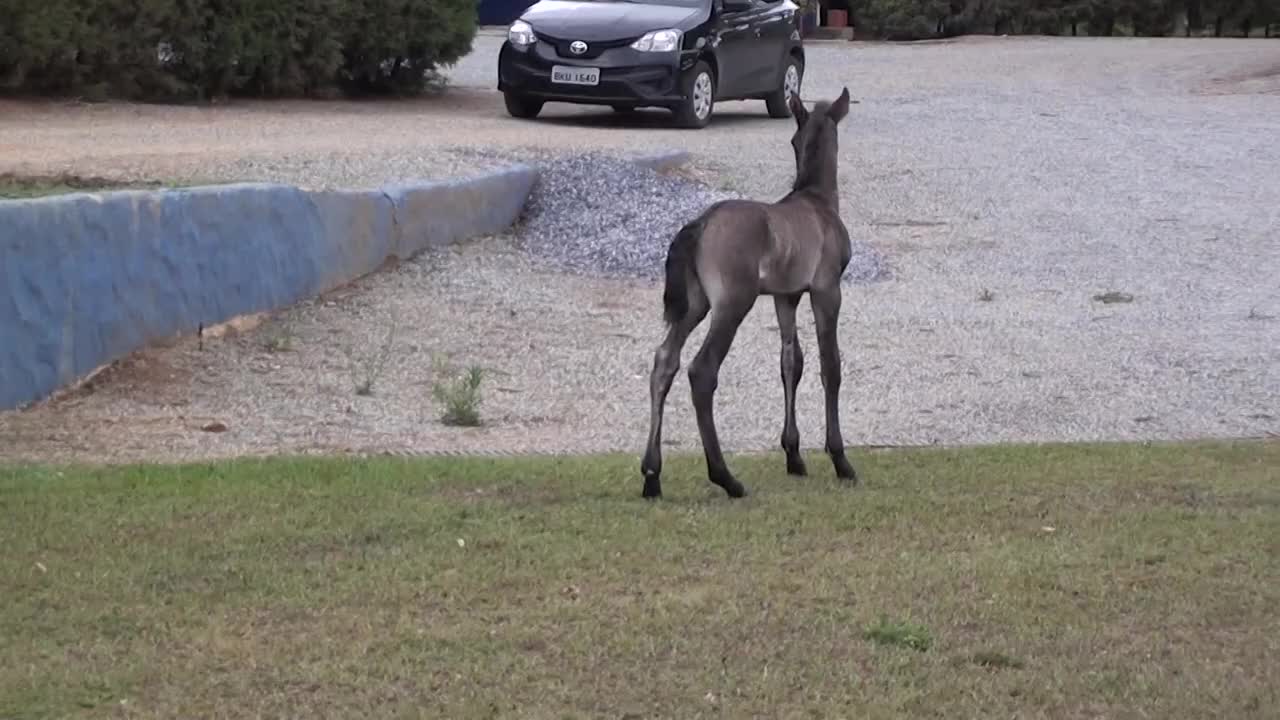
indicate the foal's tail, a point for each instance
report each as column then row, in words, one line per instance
column 680, row 266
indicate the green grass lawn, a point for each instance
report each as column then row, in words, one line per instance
column 1117, row 581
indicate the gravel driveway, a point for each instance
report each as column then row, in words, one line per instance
column 1007, row 183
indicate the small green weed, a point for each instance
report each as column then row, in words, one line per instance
column 279, row 338
column 903, row 634
column 460, row 396
column 366, row 371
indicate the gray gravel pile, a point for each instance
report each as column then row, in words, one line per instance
column 597, row 214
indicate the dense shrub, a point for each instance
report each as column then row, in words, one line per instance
column 168, row 49
column 391, row 44
column 906, row 19
column 922, row 19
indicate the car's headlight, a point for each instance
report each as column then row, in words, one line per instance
column 658, row 41
column 520, row 34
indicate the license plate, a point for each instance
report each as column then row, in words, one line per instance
column 575, row 75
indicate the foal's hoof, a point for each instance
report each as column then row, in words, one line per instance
column 795, row 466
column 843, row 469
column 652, row 487
column 733, row 488
column 845, row 472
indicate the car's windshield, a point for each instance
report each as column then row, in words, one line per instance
column 670, row 3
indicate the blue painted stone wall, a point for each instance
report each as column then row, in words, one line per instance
column 86, row 279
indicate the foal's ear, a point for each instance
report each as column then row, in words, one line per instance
column 840, row 107
column 797, row 110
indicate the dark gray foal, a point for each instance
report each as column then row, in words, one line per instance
column 736, row 251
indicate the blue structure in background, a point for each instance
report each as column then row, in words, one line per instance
column 87, row 278
column 502, row 12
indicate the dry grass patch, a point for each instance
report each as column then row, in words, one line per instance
column 1078, row 581
column 15, row 186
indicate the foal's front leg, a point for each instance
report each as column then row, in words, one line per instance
column 826, row 316
column 792, row 366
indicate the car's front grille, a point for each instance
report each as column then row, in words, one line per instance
column 534, row 74
column 594, row 48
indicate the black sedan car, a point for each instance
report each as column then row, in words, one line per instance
column 684, row 55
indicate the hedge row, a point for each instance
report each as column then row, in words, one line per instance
column 197, row 49
column 920, row 19
column 915, row 19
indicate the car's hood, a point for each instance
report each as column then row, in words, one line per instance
column 607, row 20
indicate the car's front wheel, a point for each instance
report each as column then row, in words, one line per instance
column 699, row 97
column 520, row 106
column 778, row 102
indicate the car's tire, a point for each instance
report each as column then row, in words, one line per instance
column 699, row 88
column 792, row 76
column 522, row 107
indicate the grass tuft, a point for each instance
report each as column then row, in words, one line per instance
column 460, row 395
column 900, row 633
column 279, row 337
column 367, row 368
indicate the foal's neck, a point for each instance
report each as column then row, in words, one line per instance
column 819, row 179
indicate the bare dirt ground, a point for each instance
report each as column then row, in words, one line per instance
column 1012, row 183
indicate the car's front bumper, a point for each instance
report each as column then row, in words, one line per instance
column 627, row 76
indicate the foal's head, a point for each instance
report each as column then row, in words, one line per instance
column 815, row 140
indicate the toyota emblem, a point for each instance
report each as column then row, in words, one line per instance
column 577, row 47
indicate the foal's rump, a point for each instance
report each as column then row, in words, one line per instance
column 716, row 254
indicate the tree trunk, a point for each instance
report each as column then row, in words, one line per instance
column 1217, row 26
column 1246, row 27
column 1195, row 16
column 1074, row 24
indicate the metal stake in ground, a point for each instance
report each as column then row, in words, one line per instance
column 736, row 251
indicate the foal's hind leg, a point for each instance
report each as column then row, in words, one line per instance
column 666, row 361
column 792, row 362
column 826, row 315
column 704, row 377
